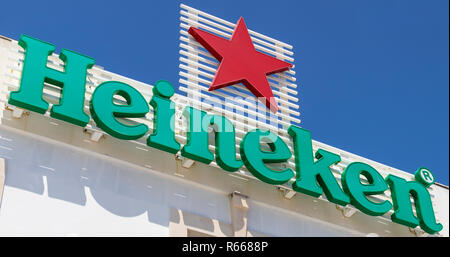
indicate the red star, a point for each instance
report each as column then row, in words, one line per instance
column 241, row 63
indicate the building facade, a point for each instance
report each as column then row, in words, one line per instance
column 60, row 179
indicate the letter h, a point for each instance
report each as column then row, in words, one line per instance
column 72, row 81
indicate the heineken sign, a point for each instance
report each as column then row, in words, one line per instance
column 312, row 172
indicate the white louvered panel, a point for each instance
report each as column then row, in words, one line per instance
column 196, row 63
column 236, row 101
column 195, row 81
column 229, row 29
column 277, row 91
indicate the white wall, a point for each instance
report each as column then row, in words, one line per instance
column 55, row 190
column 441, row 207
column 60, row 182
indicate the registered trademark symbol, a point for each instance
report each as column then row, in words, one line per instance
column 424, row 176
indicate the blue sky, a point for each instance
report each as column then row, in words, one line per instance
column 373, row 76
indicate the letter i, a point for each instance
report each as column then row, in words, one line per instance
column 163, row 137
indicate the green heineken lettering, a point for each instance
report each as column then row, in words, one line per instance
column 198, row 139
column 358, row 192
column 104, row 111
column 255, row 159
column 163, row 136
column 315, row 177
column 403, row 213
column 35, row 73
column 260, row 150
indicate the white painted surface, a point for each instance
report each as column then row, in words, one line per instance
column 441, row 207
column 2, row 178
column 61, row 182
column 270, row 221
column 56, row 190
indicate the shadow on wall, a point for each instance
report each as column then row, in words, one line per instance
column 63, row 173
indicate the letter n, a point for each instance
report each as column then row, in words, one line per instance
column 402, row 192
